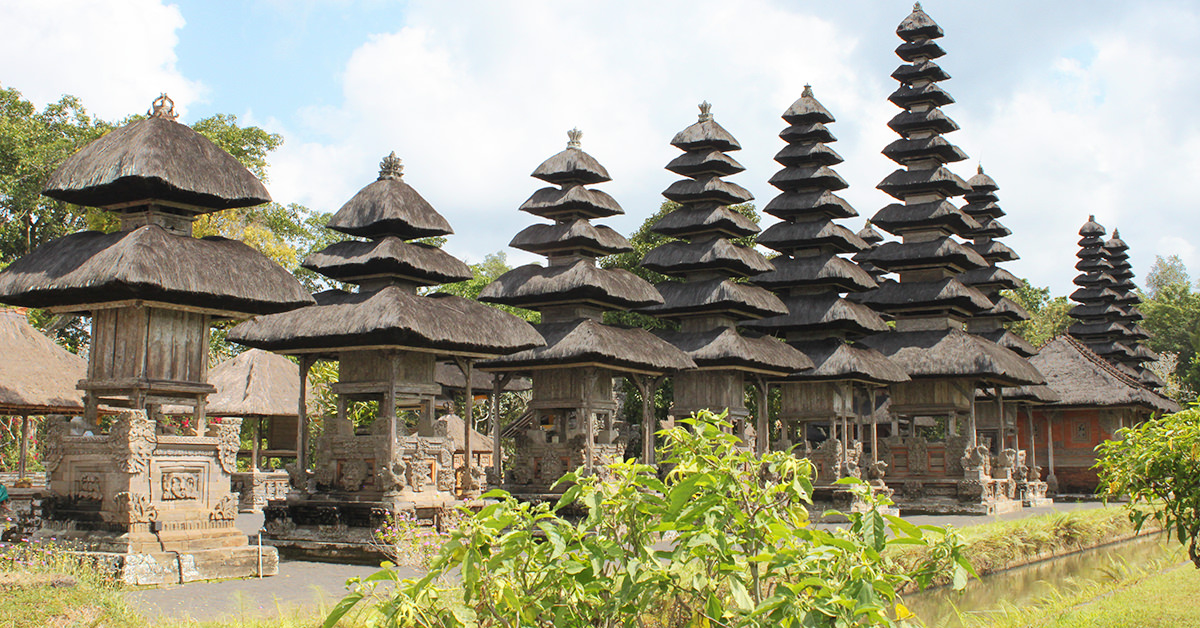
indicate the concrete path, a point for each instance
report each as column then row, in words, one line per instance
column 307, row 587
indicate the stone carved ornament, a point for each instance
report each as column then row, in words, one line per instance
column 354, row 473
column 180, row 485
column 132, row 441
column 136, row 508
column 226, row 509
column 229, row 441
column 51, row 443
column 87, row 486
column 394, row 477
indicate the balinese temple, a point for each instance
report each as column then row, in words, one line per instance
column 387, row 340
column 702, row 295
column 810, row 276
column 937, row 459
column 1134, row 338
column 574, row 412
column 155, row 500
column 873, row 239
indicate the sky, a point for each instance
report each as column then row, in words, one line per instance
column 1074, row 107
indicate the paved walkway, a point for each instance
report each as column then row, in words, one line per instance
column 307, row 586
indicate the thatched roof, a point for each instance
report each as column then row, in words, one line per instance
column 899, row 218
column 723, row 347
column 815, row 270
column 573, row 201
column 920, row 70
column 389, row 206
column 450, row 377
column 576, row 235
column 807, row 132
column 160, row 159
column 906, row 95
column 589, row 342
column 572, row 165
column 352, row 260
column 902, row 183
column 390, row 317
column 36, row 375
column 705, row 133
column 893, row 296
column 533, row 285
column 692, row 221
column 821, row 313
column 679, row 257
column 788, row 236
column 918, row 25
column 699, row 163
column 151, row 264
column 994, row 251
column 1008, row 340
column 907, row 122
column 451, row 426
column 801, row 154
column 836, row 360
column 807, row 177
column 943, row 252
column 1083, row 379
column 937, row 147
column 707, row 190
column 802, row 205
column 255, row 383
column 714, row 296
column 990, row 278
column 946, row 353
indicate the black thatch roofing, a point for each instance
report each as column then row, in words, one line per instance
column 390, row 317
column 807, row 110
column 869, row 235
column 533, row 285
column 807, row 132
column 808, row 177
column 821, row 312
column 714, row 296
column 1009, row 341
column 918, row 25
column 836, row 360
column 450, row 377
column 941, row 252
column 917, row 49
column 920, row 70
column 1037, row 395
column 711, row 162
column 709, row 189
column 787, row 236
column 1008, row 310
column 946, row 353
column 155, row 158
column 587, row 341
column 255, row 383
column 1082, row 378
column 705, row 133
column 902, row 183
column 809, row 204
column 389, row 206
column 795, row 155
column 925, row 295
column 930, row 93
column 693, row 221
column 816, row 270
column 572, row 165
column 905, row 150
column 573, row 201
column 36, row 375
column 907, row 122
column 994, row 251
column 570, row 236
column 898, row 218
column 679, row 257
column 151, row 264
column 991, row 278
column 351, row 260
column 723, row 347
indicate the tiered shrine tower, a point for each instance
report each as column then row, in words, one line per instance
column 149, row 494
column 574, row 422
column 810, row 277
column 702, row 296
column 929, row 303
column 387, row 340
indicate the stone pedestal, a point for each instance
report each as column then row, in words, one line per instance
column 156, row 507
column 256, row 488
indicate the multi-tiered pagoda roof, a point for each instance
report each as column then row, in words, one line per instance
column 929, row 302
column 704, row 262
column 571, row 292
column 810, row 273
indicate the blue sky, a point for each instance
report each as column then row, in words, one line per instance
column 1075, row 107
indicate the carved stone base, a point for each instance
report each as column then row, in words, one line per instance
column 177, row 568
column 256, row 488
column 337, row 530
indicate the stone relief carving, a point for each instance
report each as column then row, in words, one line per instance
column 180, row 485
column 131, row 442
column 354, row 473
column 226, row 509
column 229, row 441
column 918, row 455
column 324, row 473
column 51, row 443
column 419, row 475
column 87, row 486
column 136, row 507
column 393, row 478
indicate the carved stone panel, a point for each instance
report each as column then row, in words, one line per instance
column 131, row 441
column 180, row 485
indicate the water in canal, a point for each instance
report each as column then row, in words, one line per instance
column 1025, row 585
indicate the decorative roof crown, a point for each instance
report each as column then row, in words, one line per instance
column 163, row 107
column 573, row 138
column 706, row 111
column 391, row 167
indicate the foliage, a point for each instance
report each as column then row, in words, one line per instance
column 1048, row 316
column 1157, row 463
column 406, row 542
column 724, row 540
column 1166, row 271
column 1172, row 311
column 485, row 272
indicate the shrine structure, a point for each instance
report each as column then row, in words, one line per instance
column 387, row 340
column 152, row 503
column 574, row 422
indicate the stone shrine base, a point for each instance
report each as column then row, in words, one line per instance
column 178, row 568
column 328, row 530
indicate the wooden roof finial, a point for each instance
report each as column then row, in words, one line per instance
column 163, row 107
column 807, row 93
column 391, row 167
column 573, row 138
column 706, row 111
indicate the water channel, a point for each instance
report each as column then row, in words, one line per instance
column 940, row 608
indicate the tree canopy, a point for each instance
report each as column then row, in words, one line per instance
column 1047, row 314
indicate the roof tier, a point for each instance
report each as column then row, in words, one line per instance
column 953, row 353
column 1083, row 379
column 43, row 380
column 389, row 207
column 682, row 299
column 575, row 236
column 580, row 281
column 354, row 261
column 583, row 342
column 826, row 312
column 724, row 348
column 835, row 359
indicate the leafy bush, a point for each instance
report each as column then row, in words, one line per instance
column 724, row 540
column 1157, row 463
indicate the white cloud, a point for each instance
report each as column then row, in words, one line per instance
column 115, row 56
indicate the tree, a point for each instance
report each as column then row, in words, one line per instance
column 1166, row 271
column 485, row 272
column 1048, row 316
column 742, row 551
column 1172, row 312
column 1157, row 465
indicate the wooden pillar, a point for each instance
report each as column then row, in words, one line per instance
column 972, row 437
column 1004, row 432
column 762, row 427
column 389, row 409
column 1032, row 438
column 1050, row 476
column 874, row 427
column 22, row 461
column 306, row 362
column 257, row 443
column 497, row 454
column 647, row 386
column 589, row 379
column 465, row 365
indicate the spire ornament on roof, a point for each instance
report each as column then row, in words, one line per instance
column 706, row 111
column 391, row 167
column 807, row 93
column 916, row 7
column 979, row 168
column 573, row 138
column 163, row 107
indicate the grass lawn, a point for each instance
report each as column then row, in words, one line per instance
column 1170, row 599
